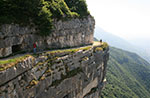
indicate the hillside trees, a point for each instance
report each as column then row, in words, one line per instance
column 40, row 12
column 78, row 6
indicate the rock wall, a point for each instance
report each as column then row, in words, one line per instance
column 75, row 32
column 74, row 73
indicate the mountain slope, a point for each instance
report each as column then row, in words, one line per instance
column 128, row 76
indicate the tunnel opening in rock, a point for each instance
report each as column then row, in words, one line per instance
column 16, row 48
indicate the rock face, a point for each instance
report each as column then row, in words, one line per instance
column 75, row 32
column 76, row 73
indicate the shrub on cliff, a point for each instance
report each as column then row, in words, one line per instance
column 40, row 12
column 78, row 6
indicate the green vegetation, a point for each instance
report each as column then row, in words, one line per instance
column 98, row 49
column 40, row 13
column 69, row 50
column 78, row 6
column 101, row 47
column 128, row 76
column 32, row 83
column 104, row 45
column 5, row 64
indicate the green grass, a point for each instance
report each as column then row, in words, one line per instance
column 8, row 61
column 69, row 50
column 13, row 60
column 5, row 64
column 104, row 45
column 101, row 46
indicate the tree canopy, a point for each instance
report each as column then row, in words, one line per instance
column 41, row 12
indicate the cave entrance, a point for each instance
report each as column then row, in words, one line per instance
column 16, row 48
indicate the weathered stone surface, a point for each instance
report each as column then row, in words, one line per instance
column 75, row 32
column 5, row 51
column 77, row 74
column 73, row 75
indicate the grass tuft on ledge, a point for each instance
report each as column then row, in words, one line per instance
column 100, row 46
column 104, row 45
column 69, row 50
column 5, row 64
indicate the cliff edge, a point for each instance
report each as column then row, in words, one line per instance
column 71, row 73
column 66, row 65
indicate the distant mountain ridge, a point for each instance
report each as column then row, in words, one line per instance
column 113, row 40
column 118, row 42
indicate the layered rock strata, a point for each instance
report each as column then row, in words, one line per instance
column 74, row 73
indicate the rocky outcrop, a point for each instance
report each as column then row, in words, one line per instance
column 71, row 33
column 74, row 73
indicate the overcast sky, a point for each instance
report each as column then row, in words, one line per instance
column 126, row 18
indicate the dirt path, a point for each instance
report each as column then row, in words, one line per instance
column 96, row 43
column 19, row 55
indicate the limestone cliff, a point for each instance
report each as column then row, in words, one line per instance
column 71, row 33
column 71, row 73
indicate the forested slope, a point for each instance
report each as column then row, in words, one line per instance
column 128, row 76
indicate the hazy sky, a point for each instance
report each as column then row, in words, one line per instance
column 126, row 18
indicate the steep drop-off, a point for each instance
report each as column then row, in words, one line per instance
column 72, row 73
column 128, row 76
column 61, row 73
